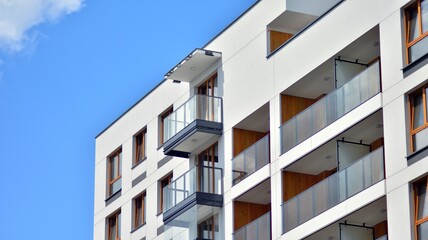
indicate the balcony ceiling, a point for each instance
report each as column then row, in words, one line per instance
column 259, row 194
column 258, row 121
column 193, row 65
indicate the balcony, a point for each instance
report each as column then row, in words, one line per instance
column 258, row 229
column 333, row 190
column 201, row 185
column 250, row 160
column 192, row 124
column 331, row 107
column 366, row 223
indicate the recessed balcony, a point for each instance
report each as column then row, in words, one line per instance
column 201, row 186
column 250, row 160
column 331, row 107
column 192, row 124
column 367, row 223
column 333, row 190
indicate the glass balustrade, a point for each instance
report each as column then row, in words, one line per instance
column 330, row 108
column 198, row 179
column 329, row 192
column 258, row 229
column 199, row 107
column 250, row 160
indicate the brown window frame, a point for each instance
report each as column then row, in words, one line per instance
column 110, row 180
column 413, row 130
column 140, row 146
column 140, row 199
column 116, row 218
column 421, row 34
column 165, row 181
column 162, row 117
column 418, row 221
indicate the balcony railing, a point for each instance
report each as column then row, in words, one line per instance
column 198, row 179
column 333, row 190
column 330, row 108
column 200, row 107
column 258, row 229
column 250, row 160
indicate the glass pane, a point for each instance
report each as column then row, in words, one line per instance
column 342, row 186
column 238, row 169
column 412, row 14
column 264, row 227
column 262, row 157
column 422, row 201
column 321, row 196
column 251, row 231
column 424, row 11
column 112, row 231
column 119, row 163
column 355, row 181
column 250, row 160
column 423, row 231
column 240, row 235
column 304, row 125
column 319, row 114
column 113, row 167
column 418, row 111
column 352, row 93
column 118, row 226
column 290, row 217
column 420, row 139
column 138, row 212
column 289, row 138
column 418, row 49
column 305, row 205
column 116, row 186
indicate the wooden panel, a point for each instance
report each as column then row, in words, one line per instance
column 291, row 106
column 245, row 212
column 326, row 174
column 277, row 39
column 377, row 144
column 242, row 139
column 381, row 229
column 294, row 183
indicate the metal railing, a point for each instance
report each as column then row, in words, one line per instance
column 201, row 107
column 331, row 107
column 258, row 229
column 331, row 191
column 250, row 160
column 198, row 179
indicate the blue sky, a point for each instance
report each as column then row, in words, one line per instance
column 68, row 68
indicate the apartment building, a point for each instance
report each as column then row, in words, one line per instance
column 303, row 119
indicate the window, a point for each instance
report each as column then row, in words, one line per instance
column 114, row 172
column 416, row 23
column 139, row 211
column 140, row 147
column 163, row 183
column 113, row 230
column 418, row 119
column 162, row 123
column 421, row 209
column 209, row 87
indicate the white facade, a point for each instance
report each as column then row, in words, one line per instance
column 252, row 82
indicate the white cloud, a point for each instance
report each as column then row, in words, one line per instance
column 18, row 17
